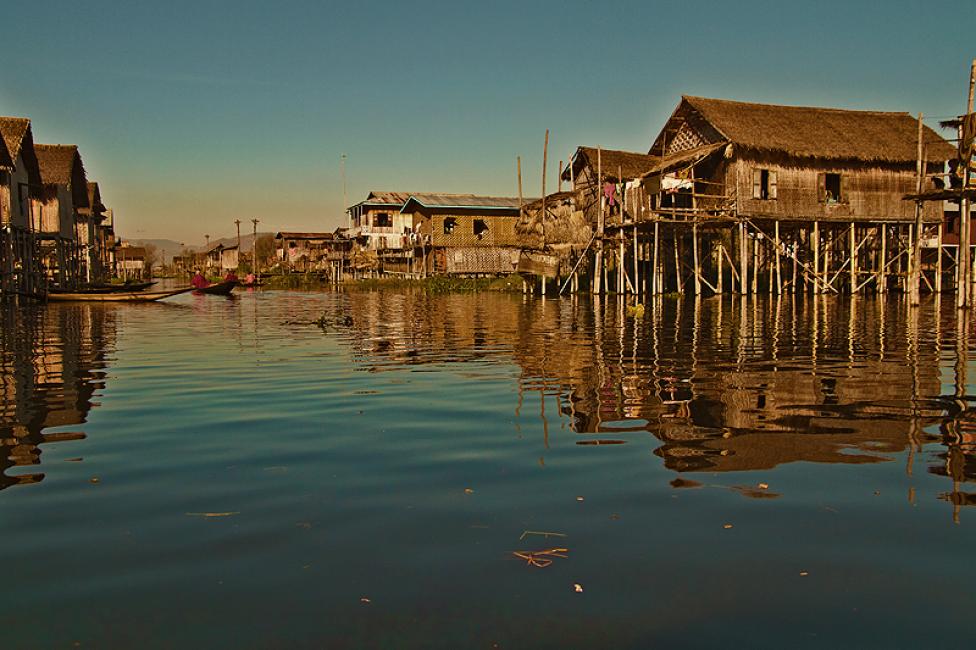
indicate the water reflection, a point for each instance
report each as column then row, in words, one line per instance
column 724, row 385
column 51, row 365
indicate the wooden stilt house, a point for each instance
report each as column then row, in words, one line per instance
column 64, row 192
column 20, row 181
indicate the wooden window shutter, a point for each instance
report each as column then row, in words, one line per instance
column 756, row 183
column 822, row 187
column 772, row 184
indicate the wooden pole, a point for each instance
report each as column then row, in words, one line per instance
column 636, row 262
column 694, row 248
column 755, row 265
column 559, row 177
column 719, row 282
column 815, row 244
column 655, row 275
column 853, row 265
column 598, row 263
column 545, row 160
column 883, row 266
column 963, row 256
column 779, row 270
column 677, row 261
column 916, row 259
column 938, row 260
column 743, row 260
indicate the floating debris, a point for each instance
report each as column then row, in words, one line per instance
column 541, row 559
column 365, row 601
column 727, row 526
column 754, row 493
column 94, row 480
column 601, row 442
column 579, row 498
column 804, row 574
column 578, row 587
column 545, row 533
column 763, row 486
column 468, row 491
column 685, row 483
column 212, row 514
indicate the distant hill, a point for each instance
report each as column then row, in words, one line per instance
column 173, row 247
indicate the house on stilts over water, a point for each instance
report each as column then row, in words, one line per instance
column 752, row 197
column 20, row 181
column 57, row 210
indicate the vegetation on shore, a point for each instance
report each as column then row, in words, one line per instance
column 434, row 284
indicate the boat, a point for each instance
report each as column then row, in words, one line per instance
column 218, row 288
column 117, row 296
column 105, row 288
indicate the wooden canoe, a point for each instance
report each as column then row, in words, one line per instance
column 116, row 296
column 218, row 288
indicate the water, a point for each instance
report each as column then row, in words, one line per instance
column 212, row 472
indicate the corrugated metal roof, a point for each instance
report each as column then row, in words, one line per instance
column 304, row 235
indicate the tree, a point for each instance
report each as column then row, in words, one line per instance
column 264, row 247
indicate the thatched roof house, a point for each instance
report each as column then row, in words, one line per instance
column 64, row 189
column 20, row 177
column 795, row 162
column 615, row 164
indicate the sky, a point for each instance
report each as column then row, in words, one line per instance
column 193, row 114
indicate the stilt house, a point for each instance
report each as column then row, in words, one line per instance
column 20, row 180
column 56, row 211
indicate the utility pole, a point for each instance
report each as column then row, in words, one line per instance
column 254, row 246
column 345, row 202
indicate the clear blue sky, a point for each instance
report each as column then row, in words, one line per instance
column 192, row 114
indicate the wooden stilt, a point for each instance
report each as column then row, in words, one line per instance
column 598, row 270
column 779, row 270
column 677, row 262
column 694, row 248
column 853, row 264
column 815, row 244
column 755, row 266
column 938, row 259
column 719, row 282
column 743, row 260
column 656, row 272
column 636, row 262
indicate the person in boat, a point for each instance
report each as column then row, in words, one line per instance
column 199, row 282
column 230, row 277
column 250, row 279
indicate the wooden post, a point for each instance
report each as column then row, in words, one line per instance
column 636, row 263
column 853, row 264
column 559, row 176
column 779, row 270
column 545, row 159
column 655, row 275
column 815, row 244
column 677, row 262
column 916, row 258
column 938, row 260
column 963, row 260
column 694, row 248
column 743, row 260
column 598, row 262
column 719, row 282
column 755, row 266
column 621, row 270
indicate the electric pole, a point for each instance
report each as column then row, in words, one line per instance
column 254, row 245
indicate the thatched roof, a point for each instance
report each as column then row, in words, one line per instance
column 60, row 164
column 810, row 132
column 95, row 198
column 630, row 163
column 563, row 225
column 19, row 141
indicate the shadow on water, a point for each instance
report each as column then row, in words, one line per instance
column 52, row 363
column 725, row 385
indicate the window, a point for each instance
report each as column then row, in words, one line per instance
column 763, row 184
column 449, row 223
column 480, row 227
column 383, row 220
column 831, row 188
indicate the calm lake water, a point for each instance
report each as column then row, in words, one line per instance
column 212, row 472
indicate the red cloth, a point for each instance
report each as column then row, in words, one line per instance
column 230, row 277
column 199, row 282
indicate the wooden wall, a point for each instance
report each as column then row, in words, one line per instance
column 869, row 193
